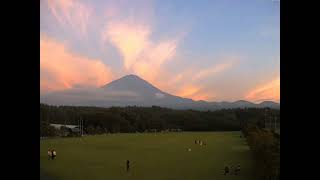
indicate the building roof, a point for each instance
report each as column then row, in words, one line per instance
column 58, row 126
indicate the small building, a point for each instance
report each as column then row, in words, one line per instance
column 175, row 130
column 66, row 129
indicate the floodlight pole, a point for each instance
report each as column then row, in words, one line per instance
column 79, row 125
column 265, row 119
column 270, row 122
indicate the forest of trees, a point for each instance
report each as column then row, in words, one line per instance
column 140, row 119
column 265, row 145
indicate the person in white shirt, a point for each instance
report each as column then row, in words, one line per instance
column 54, row 154
column 49, row 153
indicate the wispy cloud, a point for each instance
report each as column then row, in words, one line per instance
column 195, row 92
column 188, row 82
column 132, row 37
column 215, row 69
column 62, row 69
column 268, row 91
column 141, row 55
column 71, row 12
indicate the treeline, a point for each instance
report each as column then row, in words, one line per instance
column 265, row 145
column 140, row 119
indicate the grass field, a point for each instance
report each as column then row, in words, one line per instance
column 152, row 156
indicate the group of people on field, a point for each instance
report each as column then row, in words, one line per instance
column 52, row 154
column 235, row 169
column 200, row 142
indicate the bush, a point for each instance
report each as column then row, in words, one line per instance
column 266, row 148
column 46, row 130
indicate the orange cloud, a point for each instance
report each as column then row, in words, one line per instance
column 141, row 55
column 71, row 12
column 193, row 92
column 202, row 96
column 186, row 83
column 188, row 91
column 266, row 92
column 62, row 69
column 212, row 70
column 130, row 39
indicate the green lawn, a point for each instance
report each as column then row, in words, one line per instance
column 152, row 156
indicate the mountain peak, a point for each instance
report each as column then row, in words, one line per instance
column 132, row 83
column 131, row 76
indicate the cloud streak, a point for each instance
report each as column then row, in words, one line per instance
column 62, row 69
column 187, row 83
column 71, row 12
column 270, row 91
column 216, row 69
column 194, row 92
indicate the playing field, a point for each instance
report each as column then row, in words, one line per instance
column 161, row 156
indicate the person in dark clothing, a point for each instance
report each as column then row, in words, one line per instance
column 226, row 170
column 128, row 165
column 237, row 170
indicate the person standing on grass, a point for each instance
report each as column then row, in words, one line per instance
column 128, row 165
column 237, row 170
column 49, row 154
column 226, row 170
column 54, row 154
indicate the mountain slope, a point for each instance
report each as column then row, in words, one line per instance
column 132, row 90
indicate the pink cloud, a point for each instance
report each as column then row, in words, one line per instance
column 130, row 39
column 215, row 69
column 141, row 55
column 194, row 92
column 187, row 83
column 62, row 69
column 268, row 91
column 71, row 12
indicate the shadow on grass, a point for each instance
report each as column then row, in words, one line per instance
column 46, row 176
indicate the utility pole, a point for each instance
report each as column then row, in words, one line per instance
column 270, row 122
column 265, row 119
column 81, row 126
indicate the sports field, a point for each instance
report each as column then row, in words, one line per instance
column 161, row 156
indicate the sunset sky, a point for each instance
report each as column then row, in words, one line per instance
column 214, row 50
